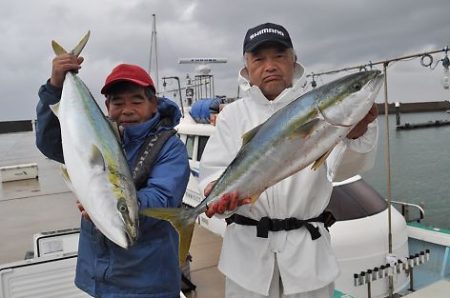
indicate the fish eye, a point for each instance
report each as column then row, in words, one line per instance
column 122, row 207
column 357, row 86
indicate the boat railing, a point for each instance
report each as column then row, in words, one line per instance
column 407, row 210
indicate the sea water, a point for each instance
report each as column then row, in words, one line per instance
column 419, row 165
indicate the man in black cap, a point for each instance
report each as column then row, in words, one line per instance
column 289, row 262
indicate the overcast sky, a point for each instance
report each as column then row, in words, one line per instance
column 326, row 34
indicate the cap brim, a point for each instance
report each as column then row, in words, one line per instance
column 113, row 82
column 254, row 46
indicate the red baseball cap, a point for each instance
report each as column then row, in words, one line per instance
column 130, row 73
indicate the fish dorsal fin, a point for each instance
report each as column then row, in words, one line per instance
column 55, row 109
column 96, row 158
column 248, row 136
column 321, row 160
column 59, row 50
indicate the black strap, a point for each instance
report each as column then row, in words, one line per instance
column 266, row 224
column 189, row 285
column 147, row 156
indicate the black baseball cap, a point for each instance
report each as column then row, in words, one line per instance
column 264, row 33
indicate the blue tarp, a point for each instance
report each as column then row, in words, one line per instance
column 200, row 110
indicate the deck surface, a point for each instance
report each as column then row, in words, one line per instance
column 45, row 204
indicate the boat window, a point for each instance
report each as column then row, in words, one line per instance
column 190, row 145
column 355, row 200
column 202, row 140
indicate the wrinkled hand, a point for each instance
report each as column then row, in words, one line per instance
column 361, row 127
column 228, row 202
column 83, row 212
column 61, row 65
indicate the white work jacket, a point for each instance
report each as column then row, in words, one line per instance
column 248, row 260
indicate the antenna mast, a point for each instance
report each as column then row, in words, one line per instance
column 204, row 79
column 154, row 44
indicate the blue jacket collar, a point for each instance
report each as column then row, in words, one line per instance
column 141, row 130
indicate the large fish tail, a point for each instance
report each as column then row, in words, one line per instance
column 182, row 219
column 59, row 50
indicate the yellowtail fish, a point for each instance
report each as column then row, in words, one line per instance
column 95, row 166
column 300, row 134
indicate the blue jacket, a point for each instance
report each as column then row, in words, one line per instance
column 150, row 267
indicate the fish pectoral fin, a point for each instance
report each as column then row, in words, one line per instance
column 254, row 198
column 55, row 109
column 96, row 158
column 321, row 160
column 59, row 50
column 248, row 136
column 305, row 130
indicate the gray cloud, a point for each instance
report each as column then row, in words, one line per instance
column 327, row 35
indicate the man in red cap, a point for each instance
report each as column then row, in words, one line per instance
column 149, row 268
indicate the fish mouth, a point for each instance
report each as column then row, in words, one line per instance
column 131, row 231
column 354, row 104
column 376, row 82
column 130, row 225
column 132, row 236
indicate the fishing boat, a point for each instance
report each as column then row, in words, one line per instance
column 419, row 257
column 382, row 246
column 383, row 249
column 38, row 212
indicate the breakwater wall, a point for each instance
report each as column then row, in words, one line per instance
column 16, row 126
column 411, row 107
column 416, row 107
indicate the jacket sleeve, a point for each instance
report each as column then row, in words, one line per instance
column 352, row 157
column 48, row 131
column 168, row 179
column 220, row 150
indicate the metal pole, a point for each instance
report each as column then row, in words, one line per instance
column 362, row 66
column 212, row 87
column 179, row 92
column 206, row 86
column 151, row 53
column 388, row 169
column 156, row 53
column 153, row 42
column 397, row 113
column 181, row 99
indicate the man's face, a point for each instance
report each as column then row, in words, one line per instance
column 271, row 68
column 130, row 107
